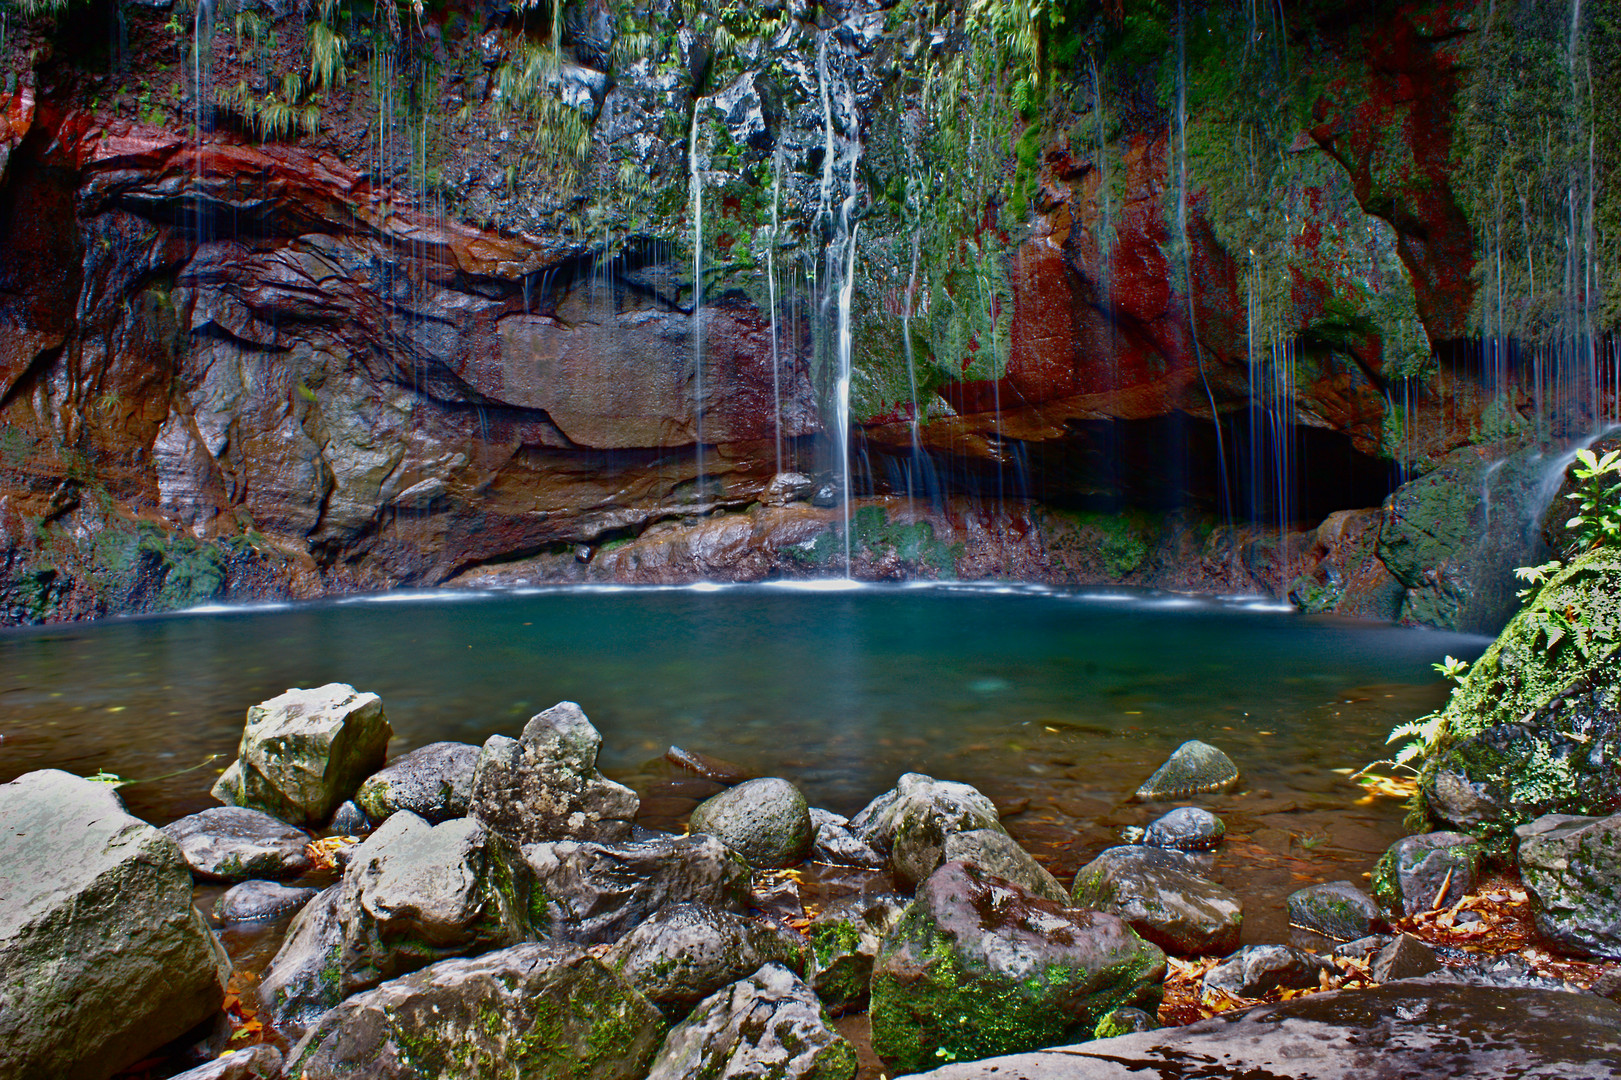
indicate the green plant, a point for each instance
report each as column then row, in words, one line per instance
column 1598, row 499
column 1537, row 576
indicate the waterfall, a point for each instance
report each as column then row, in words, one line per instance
column 771, row 291
column 696, row 181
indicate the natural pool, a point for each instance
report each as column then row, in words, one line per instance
column 1055, row 703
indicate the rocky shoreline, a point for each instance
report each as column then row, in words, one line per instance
column 469, row 909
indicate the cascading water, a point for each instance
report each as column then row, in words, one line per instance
column 771, row 293
column 696, row 181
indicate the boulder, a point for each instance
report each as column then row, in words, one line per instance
column 1187, row 828
column 1364, row 948
column 261, row 1062
column 434, row 782
column 305, row 752
column 260, row 901
column 1571, row 866
column 1164, row 897
column 1421, row 873
column 305, row 977
column 588, row 892
column 1255, row 970
column 769, row 1025
column 103, row 956
column 539, row 1011
column 845, row 937
column 766, row 821
column 1406, row 957
column 1194, row 768
column 686, row 952
column 910, row 823
column 999, row 855
column 234, row 843
column 1337, row 910
column 1124, row 1022
column 544, row 785
column 1534, row 728
column 414, row 893
column 978, row 966
column 350, row 820
column 1434, row 1029
column 836, row 844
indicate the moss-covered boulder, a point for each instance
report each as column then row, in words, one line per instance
column 978, row 966
column 1194, row 768
column 305, row 752
column 686, row 952
column 1164, row 897
column 1420, row 873
column 1337, row 910
column 767, row 821
column 998, row 854
column 434, row 782
column 1571, row 866
column 1535, row 726
column 769, row 1025
column 543, row 1012
column 845, row 938
column 911, row 822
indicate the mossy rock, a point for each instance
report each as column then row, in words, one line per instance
column 979, row 967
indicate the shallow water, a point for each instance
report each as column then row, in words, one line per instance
column 1065, row 699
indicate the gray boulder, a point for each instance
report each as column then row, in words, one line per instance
column 587, row 892
column 1164, row 897
column 434, row 782
column 999, row 855
column 544, row 785
column 305, row 752
column 261, row 1062
column 1419, row 873
column 1255, row 970
column 260, row 901
column 978, row 966
column 305, row 977
column 103, row 956
column 415, row 893
column 1187, row 828
column 1194, row 768
column 766, row 821
column 685, row 953
column 537, row 1011
column 1571, row 866
column 1337, row 910
column 910, row 823
column 767, row 1026
column 1418, row 1028
column 1405, row 957
column 836, row 844
column 845, row 938
column 234, row 843
column 350, row 820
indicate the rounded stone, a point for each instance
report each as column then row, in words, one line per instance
column 1187, row 828
column 1194, row 768
column 766, row 821
column 260, row 901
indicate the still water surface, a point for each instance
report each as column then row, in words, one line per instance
column 1065, row 699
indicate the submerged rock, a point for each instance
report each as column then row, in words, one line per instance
column 911, row 822
column 836, row 844
column 845, row 938
column 540, row 1011
column 686, row 952
column 1164, row 897
column 1255, row 970
column 766, row 821
column 1421, row 873
column 1194, row 768
column 1571, row 866
column 233, row 843
column 1187, row 828
column 1337, row 910
column 260, row 901
column 767, row 1026
column 587, row 892
column 544, row 785
column 999, row 855
column 103, row 958
column 978, row 966
column 434, row 782
column 305, row 752
column 1434, row 1029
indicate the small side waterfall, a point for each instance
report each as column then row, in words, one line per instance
column 771, row 293
column 696, row 181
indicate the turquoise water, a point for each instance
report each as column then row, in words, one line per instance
column 1064, row 699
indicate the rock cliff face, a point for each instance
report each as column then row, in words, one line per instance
column 301, row 301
